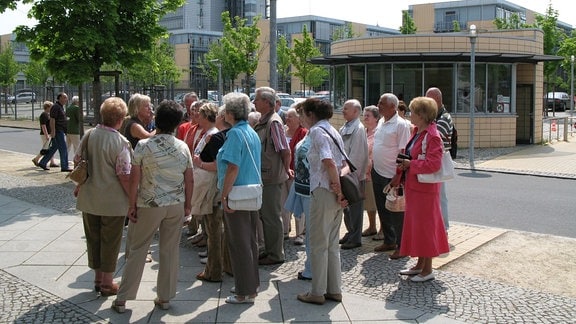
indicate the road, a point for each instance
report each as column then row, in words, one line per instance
column 519, row 202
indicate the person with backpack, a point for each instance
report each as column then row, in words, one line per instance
column 446, row 129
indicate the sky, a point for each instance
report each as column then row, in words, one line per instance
column 384, row 13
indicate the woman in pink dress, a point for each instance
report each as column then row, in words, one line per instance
column 423, row 234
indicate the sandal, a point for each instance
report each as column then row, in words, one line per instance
column 119, row 306
column 97, row 284
column 109, row 290
column 163, row 305
column 239, row 299
column 369, row 233
column 202, row 276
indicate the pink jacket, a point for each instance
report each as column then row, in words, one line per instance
column 428, row 163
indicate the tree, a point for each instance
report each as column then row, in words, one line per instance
column 408, row 25
column 303, row 51
column 237, row 51
column 8, row 70
column 553, row 37
column 343, row 32
column 513, row 22
column 157, row 66
column 284, row 60
column 76, row 38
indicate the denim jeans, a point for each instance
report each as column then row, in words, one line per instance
column 60, row 145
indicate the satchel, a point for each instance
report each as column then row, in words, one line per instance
column 395, row 201
column 245, row 197
column 349, row 183
column 446, row 171
column 46, row 147
column 80, row 173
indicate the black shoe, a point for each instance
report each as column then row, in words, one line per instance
column 343, row 240
column 301, row 277
column 66, row 170
column 43, row 167
column 348, row 246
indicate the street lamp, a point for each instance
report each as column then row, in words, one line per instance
column 220, row 84
column 572, row 85
column 472, row 92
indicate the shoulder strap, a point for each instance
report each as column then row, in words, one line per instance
column 424, row 143
column 84, row 148
column 352, row 167
column 251, row 155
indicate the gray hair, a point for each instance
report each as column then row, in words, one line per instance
column 237, row 104
column 355, row 103
column 390, row 99
column 254, row 118
column 373, row 110
column 135, row 102
column 292, row 110
column 75, row 100
column 267, row 94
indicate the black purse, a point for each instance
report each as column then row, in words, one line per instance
column 349, row 183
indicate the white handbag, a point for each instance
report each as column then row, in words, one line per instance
column 446, row 171
column 246, row 197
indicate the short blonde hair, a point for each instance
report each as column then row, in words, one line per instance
column 112, row 111
column 426, row 108
column 135, row 103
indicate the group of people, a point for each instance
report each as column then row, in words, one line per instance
column 161, row 168
column 60, row 130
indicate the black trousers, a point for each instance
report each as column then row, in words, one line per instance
column 392, row 222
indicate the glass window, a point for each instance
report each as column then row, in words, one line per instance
column 441, row 76
column 498, row 90
column 378, row 82
column 339, row 86
column 463, row 92
column 407, row 82
column 356, row 90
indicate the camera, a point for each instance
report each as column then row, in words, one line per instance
column 401, row 157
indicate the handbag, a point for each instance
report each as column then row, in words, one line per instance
column 246, row 197
column 80, row 173
column 395, row 201
column 349, row 183
column 46, row 147
column 446, row 171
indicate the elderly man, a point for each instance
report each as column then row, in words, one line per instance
column 390, row 138
column 356, row 147
column 74, row 126
column 275, row 171
column 445, row 127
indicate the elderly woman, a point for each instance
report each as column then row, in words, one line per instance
column 241, row 151
column 103, row 198
column 159, row 197
column 326, row 202
column 294, row 134
column 298, row 201
column 141, row 115
column 423, row 233
column 371, row 118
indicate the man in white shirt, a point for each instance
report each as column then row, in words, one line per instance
column 391, row 136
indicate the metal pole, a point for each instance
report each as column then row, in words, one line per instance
column 273, row 47
column 572, row 85
column 472, row 92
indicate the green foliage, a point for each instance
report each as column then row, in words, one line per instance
column 408, row 25
column 77, row 37
column 8, row 67
column 343, row 32
column 284, row 54
column 513, row 23
column 157, row 66
column 36, row 73
column 237, row 50
column 455, row 26
column 303, row 51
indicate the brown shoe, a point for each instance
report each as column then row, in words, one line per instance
column 309, row 298
column 202, row 276
column 202, row 243
column 334, row 297
column 385, row 247
column 109, row 290
column 396, row 255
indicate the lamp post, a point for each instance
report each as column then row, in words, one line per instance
column 220, row 84
column 572, row 85
column 472, row 92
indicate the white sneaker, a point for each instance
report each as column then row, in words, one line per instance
column 203, row 254
column 204, row 260
column 299, row 240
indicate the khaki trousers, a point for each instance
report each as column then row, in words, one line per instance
column 213, row 269
column 168, row 220
column 271, row 216
column 325, row 220
column 103, row 240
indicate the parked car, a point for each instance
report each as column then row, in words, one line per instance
column 287, row 102
column 558, row 101
column 24, row 97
